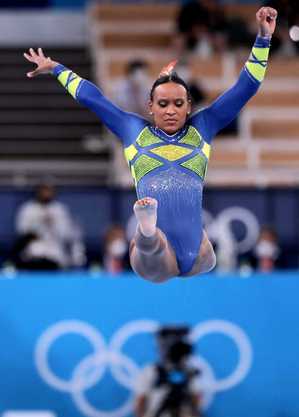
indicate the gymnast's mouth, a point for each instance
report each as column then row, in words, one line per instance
column 170, row 120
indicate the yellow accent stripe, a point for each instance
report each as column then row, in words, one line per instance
column 130, row 152
column 192, row 137
column 171, row 152
column 206, row 149
column 141, row 133
column 197, row 164
column 63, row 77
column 256, row 70
column 145, row 164
column 261, row 53
column 73, row 86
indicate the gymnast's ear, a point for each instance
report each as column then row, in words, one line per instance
column 150, row 107
column 189, row 108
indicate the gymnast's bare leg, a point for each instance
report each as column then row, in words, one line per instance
column 150, row 253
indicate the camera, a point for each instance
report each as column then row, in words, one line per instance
column 174, row 373
column 172, row 342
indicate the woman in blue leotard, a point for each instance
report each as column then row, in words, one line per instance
column 168, row 158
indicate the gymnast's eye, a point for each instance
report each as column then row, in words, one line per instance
column 179, row 102
column 162, row 103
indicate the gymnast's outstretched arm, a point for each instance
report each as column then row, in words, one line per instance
column 123, row 124
column 224, row 109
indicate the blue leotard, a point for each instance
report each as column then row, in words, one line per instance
column 172, row 168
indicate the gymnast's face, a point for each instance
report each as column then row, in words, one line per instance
column 170, row 107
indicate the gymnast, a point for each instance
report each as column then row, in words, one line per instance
column 168, row 157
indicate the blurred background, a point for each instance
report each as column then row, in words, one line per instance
column 66, row 200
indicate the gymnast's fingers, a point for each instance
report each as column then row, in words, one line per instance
column 29, row 57
column 33, row 53
column 41, row 53
column 34, row 73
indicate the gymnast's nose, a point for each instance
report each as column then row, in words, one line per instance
column 171, row 110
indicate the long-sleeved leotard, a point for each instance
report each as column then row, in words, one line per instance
column 171, row 168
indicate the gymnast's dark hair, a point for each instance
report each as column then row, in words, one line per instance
column 172, row 77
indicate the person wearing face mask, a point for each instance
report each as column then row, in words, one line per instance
column 115, row 250
column 48, row 238
column 168, row 157
column 132, row 92
column 267, row 250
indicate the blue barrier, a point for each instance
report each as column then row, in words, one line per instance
column 95, row 209
column 73, row 344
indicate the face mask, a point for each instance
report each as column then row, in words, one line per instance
column 117, row 248
column 139, row 76
column 266, row 249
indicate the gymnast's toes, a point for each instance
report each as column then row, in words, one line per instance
column 146, row 202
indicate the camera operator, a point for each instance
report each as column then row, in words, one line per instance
column 171, row 387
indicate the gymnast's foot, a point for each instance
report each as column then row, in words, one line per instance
column 146, row 214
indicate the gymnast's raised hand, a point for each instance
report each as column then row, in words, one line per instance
column 44, row 65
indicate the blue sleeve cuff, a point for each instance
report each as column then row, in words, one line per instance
column 262, row 42
column 58, row 69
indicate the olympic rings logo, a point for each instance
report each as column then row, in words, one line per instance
column 124, row 369
column 220, row 229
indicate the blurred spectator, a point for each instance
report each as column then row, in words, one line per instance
column 266, row 255
column 267, row 250
column 193, row 29
column 132, row 93
column 115, row 256
column 170, row 387
column 48, row 238
column 204, row 28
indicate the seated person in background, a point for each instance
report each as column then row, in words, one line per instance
column 266, row 256
column 203, row 28
column 116, row 250
column 267, row 251
column 193, row 29
column 48, row 239
column 132, row 93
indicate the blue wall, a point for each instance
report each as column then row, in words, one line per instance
column 95, row 208
column 60, row 328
